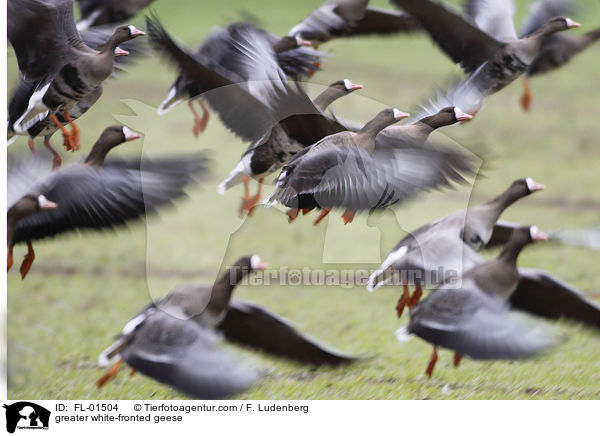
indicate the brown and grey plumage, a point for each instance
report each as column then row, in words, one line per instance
column 558, row 49
column 249, row 107
column 64, row 68
column 232, row 53
column 471, row 316
column 99, row 194
column 486, row 48
column 212, row 308
column 451, row 241
column 95, row 39
column 285, row 139
column 355, row 171
column 345, row 18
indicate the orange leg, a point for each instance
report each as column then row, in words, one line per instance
column 306, row 210
column 254, row 199
column 132, row 372
column 27, row 260
column 432, row 361
column 322, row 215
column 65, row 132
column 416, row 297
column 56, row 159
column 348, row 216
column 292, row 214
column 526, row 97
column 31, row 145
column 248, row 202
column 402, row 301
column 457, row 358
column 9, row 257
column 200, row 122
column 75, row 142
column 110, row 374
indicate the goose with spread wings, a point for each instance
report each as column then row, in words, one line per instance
column 471, row 316
column 485, row 45
column 61, row 66
column 356, row 171
column 212, row 308
column 99, row 194
column 240, row 53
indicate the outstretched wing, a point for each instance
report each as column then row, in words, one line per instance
column 495, row 17
column 542, row 294
column 248, row 109
column 109, row 196
column 350, row 177
column 457, row 37
column 42, row 34
column 250, row 324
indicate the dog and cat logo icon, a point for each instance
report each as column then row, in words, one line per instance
column 26, row 415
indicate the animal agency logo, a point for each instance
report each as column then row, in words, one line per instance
column 26, row 415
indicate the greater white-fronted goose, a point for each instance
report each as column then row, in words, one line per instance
column 486, row 48
column 288, row 137
column 94, row 38
column 63, row 67
column 100, row 195
column 557, row 49
column 226, row 52
column 344, row 18
column 474, row 319
column 451, row 242
column 417, row 132
column 182, row 354
column 349, row 170
column 102, row 12
column 211, row 307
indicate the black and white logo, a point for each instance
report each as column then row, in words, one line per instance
column 26, row 415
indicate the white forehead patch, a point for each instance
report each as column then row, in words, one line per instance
column 530, row 183
column 254, row 261
column 347, row 84
column 533, row 232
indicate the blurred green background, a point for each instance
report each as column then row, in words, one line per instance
column 82, row 289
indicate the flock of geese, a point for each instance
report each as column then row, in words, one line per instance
column 253, row 81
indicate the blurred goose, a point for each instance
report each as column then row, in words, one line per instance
column 94, row 38
column 486, row 48
column 284, row 140
column 451, row 241
column 211, row 307
column 417, row 132
column 557, row 49
column 101, row 12
column 226, row 52
column 344, row 18
column 352, row 171
column 63, row 68
column 473, row 319
column 96, row 194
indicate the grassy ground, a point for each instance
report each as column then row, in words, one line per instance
column 81, row 290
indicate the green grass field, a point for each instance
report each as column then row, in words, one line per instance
column 82, row 289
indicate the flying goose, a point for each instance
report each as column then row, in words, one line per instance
column 98, row 194
column 486, row 47
column 212, row 308
column 471, row 316
column 63, row 68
